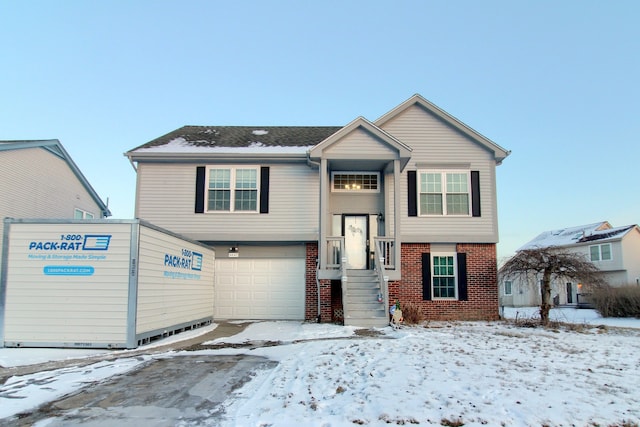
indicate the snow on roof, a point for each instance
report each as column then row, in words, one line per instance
column 575, row 235
column 181, row 145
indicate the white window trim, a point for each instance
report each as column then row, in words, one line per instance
column 334, row 190
column 443, row 173
column 599, row 246
column 232, row 188
column 510, row 287
column 84, row 213
column 455, row 276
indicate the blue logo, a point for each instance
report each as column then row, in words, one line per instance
column 196, row 263
column 96, row 242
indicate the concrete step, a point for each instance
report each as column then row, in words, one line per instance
column 362, row 308
column 363, row 305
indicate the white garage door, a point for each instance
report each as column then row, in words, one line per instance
column 259, row 288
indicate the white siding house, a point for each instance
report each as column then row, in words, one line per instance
column 614, row 250
column 40, row 180
column 334, row 223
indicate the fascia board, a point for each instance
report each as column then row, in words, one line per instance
column 200, row 157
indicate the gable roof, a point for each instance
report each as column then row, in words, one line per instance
column 404, row 151
column 55, row 147
column 599, row 231
column 499, row 152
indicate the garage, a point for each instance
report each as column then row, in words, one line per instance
column 259, row 288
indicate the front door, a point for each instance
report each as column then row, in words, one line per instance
column 569, row 293
column 355, row 229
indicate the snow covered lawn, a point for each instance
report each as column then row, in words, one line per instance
column 447, row 373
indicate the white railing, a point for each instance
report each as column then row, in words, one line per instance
column 345, row 282
column 381, row 251
column 385, row 252
column 335, row 251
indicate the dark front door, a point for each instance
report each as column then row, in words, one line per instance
column 569, row 293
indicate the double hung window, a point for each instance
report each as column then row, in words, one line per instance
column 600, row 252
column 444, row 193
column 443, row 276
column 233, row 189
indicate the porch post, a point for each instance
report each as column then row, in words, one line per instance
column 322, row 220
column 396, row 213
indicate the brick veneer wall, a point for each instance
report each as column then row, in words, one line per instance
column 311, row 294
column 482, row 285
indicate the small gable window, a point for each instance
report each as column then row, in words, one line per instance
column 444, row 193
column 363, row 182
column 600, row 252
column 232, row 189
column 81, row 214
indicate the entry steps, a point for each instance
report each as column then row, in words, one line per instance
column 362, row 308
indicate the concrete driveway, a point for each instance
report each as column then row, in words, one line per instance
column 187, row 390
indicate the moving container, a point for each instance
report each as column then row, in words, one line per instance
column 100, row 283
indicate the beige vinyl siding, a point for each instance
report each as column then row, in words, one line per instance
column 351, row 147
column 166, row 198
column 435, row 144
column 631, row 256
column 75, row 310
column 164, row 300
column 38, row 184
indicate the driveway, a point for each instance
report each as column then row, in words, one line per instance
column 165, row 391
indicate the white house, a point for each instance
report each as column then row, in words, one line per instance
column 614, row 250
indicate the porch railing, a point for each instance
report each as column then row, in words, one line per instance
column 385, row 252
column 335, row 252
column 380, row 249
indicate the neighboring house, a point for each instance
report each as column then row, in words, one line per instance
column 334, row 223
column 615, row 251
column 40, row 180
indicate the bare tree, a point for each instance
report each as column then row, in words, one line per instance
column 552, row 263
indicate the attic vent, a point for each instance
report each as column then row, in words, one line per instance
column 260, row 132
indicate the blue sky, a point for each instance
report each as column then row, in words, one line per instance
column 557, row 83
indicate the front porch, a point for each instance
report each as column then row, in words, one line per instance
column 364, row 293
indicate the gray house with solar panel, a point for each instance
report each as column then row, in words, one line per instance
column 334, row 223
column 614, row 250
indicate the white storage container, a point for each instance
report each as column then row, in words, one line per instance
column 100, row 283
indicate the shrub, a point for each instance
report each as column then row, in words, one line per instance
column 617, row 302
column 412, row 313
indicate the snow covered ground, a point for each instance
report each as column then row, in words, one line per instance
column 476, row 373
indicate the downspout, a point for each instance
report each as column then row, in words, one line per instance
column 311, row 163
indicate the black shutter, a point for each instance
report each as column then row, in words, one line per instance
column 264, row 190
column 475, row 193
column 426, row 276
column 200, row 176
column 462, row 277
column 413, row 194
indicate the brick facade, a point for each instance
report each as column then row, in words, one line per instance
column 482, row 285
